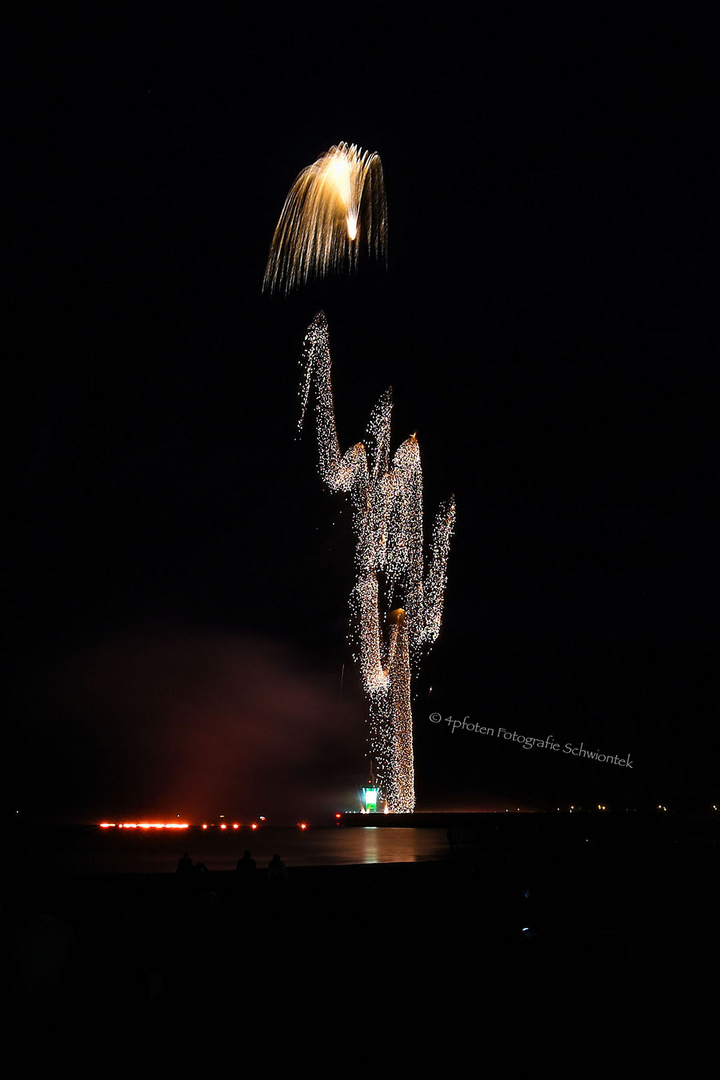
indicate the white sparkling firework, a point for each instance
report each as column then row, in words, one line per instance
column 396, row 607
column 334, row 206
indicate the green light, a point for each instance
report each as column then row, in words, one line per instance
column 370, row 797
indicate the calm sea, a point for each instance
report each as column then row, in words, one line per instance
column 91, row 850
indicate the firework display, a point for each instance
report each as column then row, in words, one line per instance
column 396, row 604
column 335, row 205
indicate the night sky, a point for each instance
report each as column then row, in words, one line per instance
column 175, row 577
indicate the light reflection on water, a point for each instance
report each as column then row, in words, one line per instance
column 105, row 852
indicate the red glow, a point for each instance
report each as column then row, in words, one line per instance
column 236, row 826
column 145, row 825
column 253, row 826
column 204, row 826
column 223, row 826
column 303, row 825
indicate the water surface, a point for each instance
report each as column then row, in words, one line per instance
column 87, row 850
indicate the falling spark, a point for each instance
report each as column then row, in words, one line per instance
column 334, row 205
column 396, row 606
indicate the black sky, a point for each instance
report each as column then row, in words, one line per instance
column 547, row 322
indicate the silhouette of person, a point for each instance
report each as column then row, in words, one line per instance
column 246, row 865
column 277, row 870
column 185, row 865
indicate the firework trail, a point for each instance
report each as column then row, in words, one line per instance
column 335, row 204
column 396, row 607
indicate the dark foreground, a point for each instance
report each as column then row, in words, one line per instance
column 504, row 918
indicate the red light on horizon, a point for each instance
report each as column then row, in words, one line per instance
column 145, row 825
